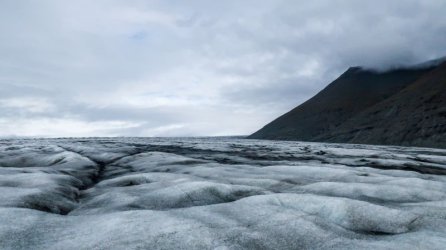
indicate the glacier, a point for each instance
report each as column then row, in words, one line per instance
column 219, row 193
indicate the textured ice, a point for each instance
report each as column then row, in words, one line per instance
column 219, row 193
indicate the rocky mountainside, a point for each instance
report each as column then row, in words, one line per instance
column 397, row 107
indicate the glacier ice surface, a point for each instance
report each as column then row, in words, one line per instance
column 219, row 193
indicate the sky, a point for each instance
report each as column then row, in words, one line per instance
column 192, row 67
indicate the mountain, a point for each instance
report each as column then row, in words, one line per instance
column 405, row 106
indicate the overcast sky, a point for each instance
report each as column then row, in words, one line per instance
column 189, row 68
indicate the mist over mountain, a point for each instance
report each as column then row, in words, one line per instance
column 400, row 106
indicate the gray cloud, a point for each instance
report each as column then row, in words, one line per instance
column 173, row 68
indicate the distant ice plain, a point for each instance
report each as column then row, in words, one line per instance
column 219, row 193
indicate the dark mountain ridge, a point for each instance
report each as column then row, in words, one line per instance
column 398, row 107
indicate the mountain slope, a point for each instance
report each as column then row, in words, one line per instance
column 414, row 116
column 354, row 91
column 359, row 106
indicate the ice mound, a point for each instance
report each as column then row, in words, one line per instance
column 354, row 215
column 219, row 193
column 377, row 192
column 163, row 196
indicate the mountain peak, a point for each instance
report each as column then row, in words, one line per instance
column 341, row 111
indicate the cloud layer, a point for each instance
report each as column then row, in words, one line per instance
column 187, row 68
